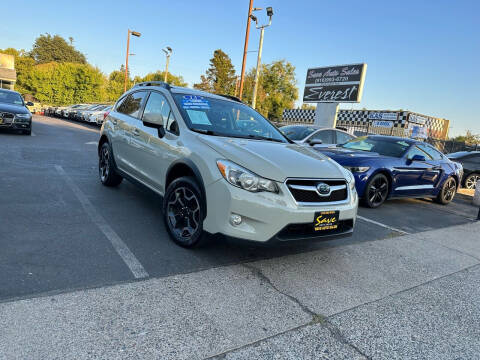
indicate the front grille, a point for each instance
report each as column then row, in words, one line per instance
column 7, row 117
column 304, row 191
column 306, row 231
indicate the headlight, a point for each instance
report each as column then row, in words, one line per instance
column 23, row 116
column 242, row 178
column 357, row 169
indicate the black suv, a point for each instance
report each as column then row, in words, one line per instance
column 13, row 112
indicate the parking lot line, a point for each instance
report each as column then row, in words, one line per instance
column 120, row 247
column 382, row 225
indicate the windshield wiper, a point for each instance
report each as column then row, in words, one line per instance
column 259, row 137
column 207, row 132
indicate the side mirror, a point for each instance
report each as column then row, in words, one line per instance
column 29, row 103
column 314, row 142
column 416, row 157
column 155, row 125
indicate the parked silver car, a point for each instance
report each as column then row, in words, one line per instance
column 315, row 135
column 223, row 168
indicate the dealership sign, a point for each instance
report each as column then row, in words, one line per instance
column 383, row 123
column 343, row 83
column 392, row 116
column 418, row 119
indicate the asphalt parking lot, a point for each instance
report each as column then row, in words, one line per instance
column 60, row 229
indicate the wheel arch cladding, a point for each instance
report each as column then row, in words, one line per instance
column 186, row 167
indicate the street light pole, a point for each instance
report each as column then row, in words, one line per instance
column 168, row 51
column 137, row 34
column 260, row 48
column 257, row 73
column 245, row 49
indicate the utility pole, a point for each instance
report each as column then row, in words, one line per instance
column 168, row 51
column 260, row 47
column 137, row 34
column 245, row 49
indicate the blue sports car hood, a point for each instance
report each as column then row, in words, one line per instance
column 345, row 156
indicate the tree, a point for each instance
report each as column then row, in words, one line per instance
column 277, row 88
column 48, row 48
column 469, row 138
column 220, row 76
column 23, row 65
column 115, row 84
column 160, row 76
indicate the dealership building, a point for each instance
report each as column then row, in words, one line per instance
column 8, row 75
column 386, row 122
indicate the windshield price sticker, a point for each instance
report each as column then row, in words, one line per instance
column 195, row 102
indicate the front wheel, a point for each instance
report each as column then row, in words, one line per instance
column 447, row 192
column 376, row 191
column 183, row 212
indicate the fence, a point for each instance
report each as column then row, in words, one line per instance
column 450, row 146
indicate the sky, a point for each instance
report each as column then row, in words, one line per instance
column 422, row 55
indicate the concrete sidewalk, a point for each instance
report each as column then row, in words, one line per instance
column 416, row 296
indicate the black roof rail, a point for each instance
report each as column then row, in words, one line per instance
column 231, row 97
column 154, row 83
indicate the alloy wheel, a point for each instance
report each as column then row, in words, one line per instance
column 449, row 190
column 378, row 191
column 471, row 181
column 183, row 209
column 104, row 167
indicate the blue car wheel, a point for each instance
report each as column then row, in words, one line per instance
column 376, row 191
column 448, row 191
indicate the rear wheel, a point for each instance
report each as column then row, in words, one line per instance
column 376, row 191
column 106, row 168
column 183, row 212
column 471, row 181
column 448, row 191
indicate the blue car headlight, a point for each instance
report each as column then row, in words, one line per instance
column 357, row 169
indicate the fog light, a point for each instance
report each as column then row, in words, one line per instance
column 235, row 219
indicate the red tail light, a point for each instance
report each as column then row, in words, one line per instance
column 105, row 114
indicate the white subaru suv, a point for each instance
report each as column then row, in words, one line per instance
column 223, row 168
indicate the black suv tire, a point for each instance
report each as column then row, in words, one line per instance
column 183, row 212
column 106, row 166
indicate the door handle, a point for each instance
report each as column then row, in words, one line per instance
column 136, row 132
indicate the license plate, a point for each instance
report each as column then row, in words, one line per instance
column 326, row 220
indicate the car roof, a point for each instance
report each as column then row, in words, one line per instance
column 10, row 91
column 182, row 90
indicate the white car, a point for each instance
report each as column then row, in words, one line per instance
column 221, row 167
column 85, row 114
column 315, row 135
column 96, row 117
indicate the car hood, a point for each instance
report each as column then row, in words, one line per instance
column 273, row 160
column 12, row 108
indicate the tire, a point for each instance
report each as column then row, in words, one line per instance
column 183, row 212
column 106, row 167
column 471, row 180
column 447, row 192
column 376, row 191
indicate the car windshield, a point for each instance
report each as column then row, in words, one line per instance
column 295, row 132
column 384, row 147
column 225, row 118
column 10, row 97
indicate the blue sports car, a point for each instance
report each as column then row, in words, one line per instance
column 392, row 167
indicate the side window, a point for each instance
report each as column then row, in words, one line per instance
column 132, row 104
column 157, row 110
column 414, row 150
column 325, row 135
column 435, row 154
column 342, row 138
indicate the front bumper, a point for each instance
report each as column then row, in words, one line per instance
column 17, row 125
column 269, row 217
